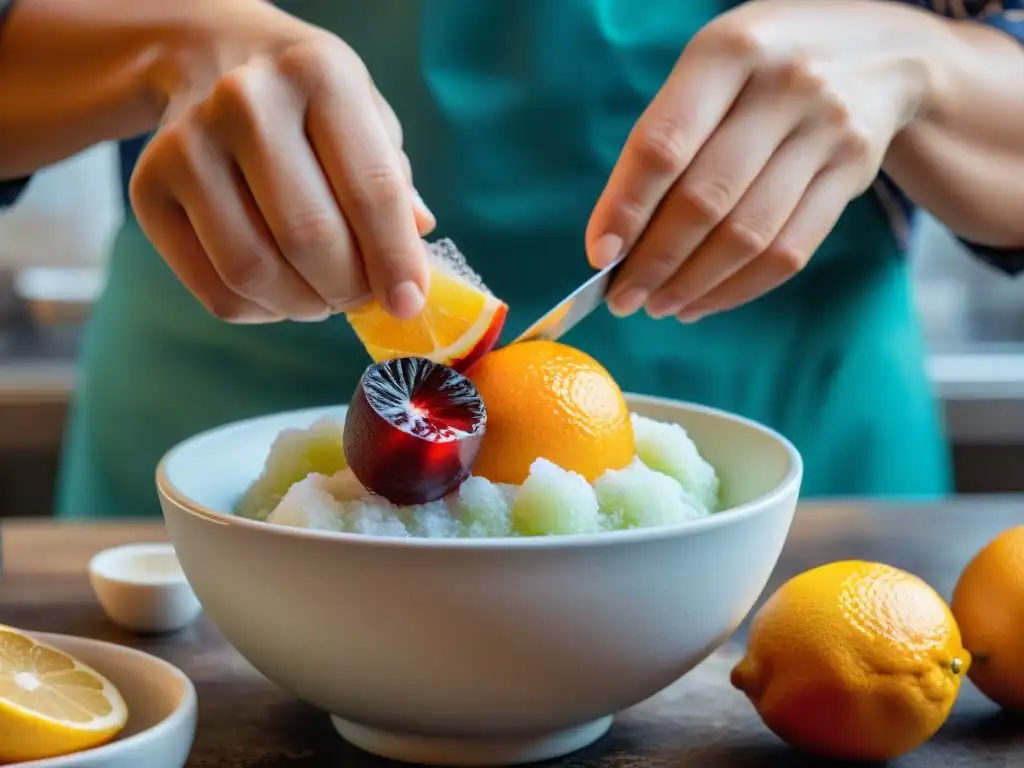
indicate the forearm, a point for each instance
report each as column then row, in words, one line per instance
column 76, row 73
column 962, row 159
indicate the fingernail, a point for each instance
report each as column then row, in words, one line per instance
column 313, row 318
column 425, row 219
column 691, row 315
column 607, row 250
column 342, row 306
column 406, row 299
column 627, row 302
column 662, row 306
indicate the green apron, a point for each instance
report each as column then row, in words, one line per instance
column 514, row 113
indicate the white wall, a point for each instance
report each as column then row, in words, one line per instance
column 68, row 216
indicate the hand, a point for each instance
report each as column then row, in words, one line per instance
column 276, row 186
column 776, row 115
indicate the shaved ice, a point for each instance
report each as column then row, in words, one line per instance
column 553, row 500
column 666, row 448
column 305, row 484
column 639, row 497
column 295, row 454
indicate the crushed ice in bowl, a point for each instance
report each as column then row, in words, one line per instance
column 669, row 482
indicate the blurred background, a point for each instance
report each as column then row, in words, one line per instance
column 53, row 247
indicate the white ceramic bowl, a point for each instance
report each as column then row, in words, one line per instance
column 478, row 652
column 142, row 588
column 161, row 708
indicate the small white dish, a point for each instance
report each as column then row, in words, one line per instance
column 161, row 708
column 142, row 588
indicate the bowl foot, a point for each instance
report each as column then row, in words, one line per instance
column 470, row 751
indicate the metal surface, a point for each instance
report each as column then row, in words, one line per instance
column 573, row 308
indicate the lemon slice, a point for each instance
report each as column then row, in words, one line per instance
column 50, row 703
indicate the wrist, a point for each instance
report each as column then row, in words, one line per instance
column 198, row 44
column 935, row 38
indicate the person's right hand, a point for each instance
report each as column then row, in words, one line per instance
column 276, row 186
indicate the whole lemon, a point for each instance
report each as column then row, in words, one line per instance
column 988, row 603
column 853, row 661
column 552, row 401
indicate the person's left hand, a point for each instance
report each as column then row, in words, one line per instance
column 776, row 115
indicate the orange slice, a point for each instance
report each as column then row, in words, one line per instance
column 50, row 703
column 460, row 322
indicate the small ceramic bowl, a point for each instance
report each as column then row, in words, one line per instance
column 478, row 651
column 142, row 588
column 161, row 708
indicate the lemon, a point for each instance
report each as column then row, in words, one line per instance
column 854, row 661
column 988, row 604
column 50, row 703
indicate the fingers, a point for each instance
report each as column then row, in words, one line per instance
column 695, row 98
column 813, row 219
column 392, row 125
column 290, row 180
column 708, row 190
column 425, row 221
column 753, row 224
column 167, row 226
column 366, row 172
column 288, row 185
column 229, row 225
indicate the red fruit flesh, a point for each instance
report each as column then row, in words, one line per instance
column 486, row 342
column 413, row 430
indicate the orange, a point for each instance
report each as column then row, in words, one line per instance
column 988, row 603
column 548, row 400
column 51, row 704
column 460, row 322
column 853, row 661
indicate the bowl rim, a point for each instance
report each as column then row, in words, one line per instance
column 788, row 486
column 186, row 708
column 109, row 565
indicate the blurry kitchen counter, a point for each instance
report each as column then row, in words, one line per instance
column 37, row 378
column 983, row 395
column 977, row 361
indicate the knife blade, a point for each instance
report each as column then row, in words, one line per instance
column 567, row 313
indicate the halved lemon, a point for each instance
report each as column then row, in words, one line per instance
column 459, row 324
column 50, row 703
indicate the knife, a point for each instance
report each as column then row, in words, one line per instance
column 567, row 313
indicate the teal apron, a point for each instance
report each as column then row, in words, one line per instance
column 514, row 113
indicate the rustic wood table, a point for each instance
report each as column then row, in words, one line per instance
column 701, row 722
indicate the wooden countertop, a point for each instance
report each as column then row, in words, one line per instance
column 700, row 722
